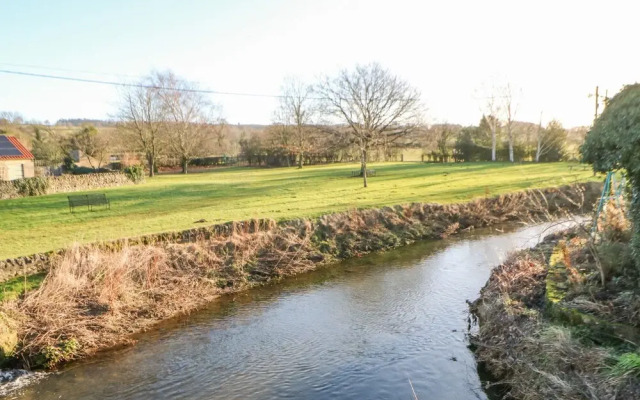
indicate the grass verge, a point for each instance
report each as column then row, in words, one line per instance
column 175, row 202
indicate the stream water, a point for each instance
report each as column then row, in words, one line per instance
column 376, row 327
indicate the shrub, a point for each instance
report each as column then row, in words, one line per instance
column 628, row 365
column 7, row 190
column 135, row 173
column 31, row 186
column 613, row 144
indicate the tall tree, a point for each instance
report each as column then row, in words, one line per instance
column 297, row 110
column 510, row 106
column 374, row 104
column 141, row 116
column 491, row 108
column 188, row 115
column 46, row 146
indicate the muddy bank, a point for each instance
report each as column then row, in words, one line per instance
column 550, row 329
column 95, row 297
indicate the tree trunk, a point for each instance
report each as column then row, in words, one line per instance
column 151, row 163
column 363, row 168
column 185, row 165
column 510, row 148
column 493, row 144
column 300, row 159
column 538, row 150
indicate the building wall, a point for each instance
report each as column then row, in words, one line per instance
column 27, row 166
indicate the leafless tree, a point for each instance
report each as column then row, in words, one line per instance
column 188, row 116
column 373, row 104
column 510, row 107
column 296, row 110
column 141, row 116
column 491, row 108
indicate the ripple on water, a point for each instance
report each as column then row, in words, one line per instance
column 12, row 380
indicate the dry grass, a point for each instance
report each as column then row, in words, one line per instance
column 537, row 361
column 95, row 297
column 99, row 297
column 536, row 351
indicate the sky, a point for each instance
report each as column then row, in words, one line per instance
column 553, row 52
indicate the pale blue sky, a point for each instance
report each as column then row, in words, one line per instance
column 555, row 51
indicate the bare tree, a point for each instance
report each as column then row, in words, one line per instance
column 141, row 116
column 297, row 110
column 491, row 108
column 373, row 104
column 510, row 107
column 188, row 115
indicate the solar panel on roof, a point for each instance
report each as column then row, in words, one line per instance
column 7, row 148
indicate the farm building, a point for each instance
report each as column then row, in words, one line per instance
column 16, row 161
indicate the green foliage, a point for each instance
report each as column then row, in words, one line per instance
column 554, row 137
column 614, row 144
column 628, row 364
column 31, row 186
column 135, row 173
column 614, row 141
column 54, row 355
column 468, row 145
column 45, row 148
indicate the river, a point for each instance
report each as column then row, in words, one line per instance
column 376, row 327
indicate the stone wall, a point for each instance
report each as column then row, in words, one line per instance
column 71, row 183
column 75, row 183
column 27, row 265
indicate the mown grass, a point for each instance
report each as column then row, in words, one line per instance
column 175, row 202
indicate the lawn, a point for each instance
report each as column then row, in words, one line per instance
column 175, row 202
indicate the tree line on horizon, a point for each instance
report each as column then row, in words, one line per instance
column 365, row 113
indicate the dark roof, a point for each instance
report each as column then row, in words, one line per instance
column 12, row 149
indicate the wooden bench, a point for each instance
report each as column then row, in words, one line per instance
column 370, row 172
column 88, row 200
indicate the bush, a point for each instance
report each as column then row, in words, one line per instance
column 31, row 186
column 135, row 173
column 613, row 144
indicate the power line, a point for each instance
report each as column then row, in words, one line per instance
column 138, row 85
column 69, row 70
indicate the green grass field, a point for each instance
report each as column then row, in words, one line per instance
column 175, row 202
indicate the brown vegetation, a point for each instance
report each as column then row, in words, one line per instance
column 549, row 328
column 96, row 296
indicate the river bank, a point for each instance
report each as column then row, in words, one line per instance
column 97, row 297
column 561, row 320
column 356, row 329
